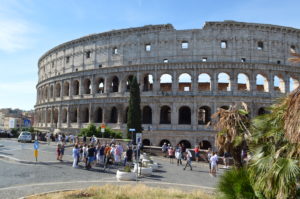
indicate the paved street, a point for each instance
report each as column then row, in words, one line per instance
column 21, row 176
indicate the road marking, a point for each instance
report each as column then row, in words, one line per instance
column 106, row 181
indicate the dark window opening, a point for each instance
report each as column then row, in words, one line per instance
column 147, row 115
column 165, row 115
column 260, row 45
column 243, row 60
column 204, row 59
column 88, row 54
column 166, row 60
column 115, row 51
column 114, row 115
column 67, row 59
column 204, row 115
column 184, row 115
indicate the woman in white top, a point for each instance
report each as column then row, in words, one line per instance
column 214, row 163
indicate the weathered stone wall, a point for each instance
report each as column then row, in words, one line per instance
column 86, row 80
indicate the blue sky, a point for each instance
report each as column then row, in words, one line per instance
column 28, row 28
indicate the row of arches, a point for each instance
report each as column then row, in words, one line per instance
column 83, row 115
column 184, row 83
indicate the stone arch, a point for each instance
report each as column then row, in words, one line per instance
column 55, row 116
column 262, row 83
column 279, row 84
column 147, row 115
column 115, row 84
column 87, row 86
column 294, row 83
column 148, row 82
column 204, row 82
column 73, row 114
column 113, row 115
column 99, row 85
column 98, row 115
column 75, row 87
column 66, row 89
column 126, row 115
column 204, row 115
column 243, row 83
column 51, row 91
column 146, row 142
column 128, row 82
column 165, row 115
column 224, row 82
column 48, row 116
column 57, row 90
column 186, row 144
column 184, row 82
column 165, row 82
column 164, row 141
column 184, row 115
column 64, row 115
column 262, row 111
column 84, row 115
column 204, row 144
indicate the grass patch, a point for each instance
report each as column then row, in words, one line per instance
column 126, row 192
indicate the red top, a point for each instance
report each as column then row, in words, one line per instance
column 196, row 150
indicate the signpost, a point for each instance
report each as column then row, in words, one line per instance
column 102, row 130
column 36, row 146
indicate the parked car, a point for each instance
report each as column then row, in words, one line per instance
column 25, row 137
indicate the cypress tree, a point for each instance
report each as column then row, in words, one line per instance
column 134, row 110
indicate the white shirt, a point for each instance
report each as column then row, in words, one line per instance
column 214, row 159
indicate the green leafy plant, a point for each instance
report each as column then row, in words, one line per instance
column 235, row 183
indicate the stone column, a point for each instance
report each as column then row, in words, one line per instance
column 155, row 116
column 270, row 80
column 106, row 85
column 59, row 117
column 174, row 83
column 286, row 84
column 61, row 90
column 51, row 117
column 194, row 88
column 70, row 88
column 93, row 86
column 91, row 113
column 214, row 82
column 45, row 116
column 81, row 86
column 194, row 116
column 174, row 116
column 78, row 116
column 68, row 116
column 156, row 83
column 253, row 83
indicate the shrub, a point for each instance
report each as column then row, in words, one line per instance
column 235, row 183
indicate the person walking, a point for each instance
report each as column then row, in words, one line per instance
column 91, row 156
column 48, row 136
column 226, row 159
column 214, row 164
column 58, row 151
column 197, row 153
column 171, row 152
column 178, row 154
column 62, row 152
column 188, row 156
column 209, row 155
column 75, row 154
column 164, row 149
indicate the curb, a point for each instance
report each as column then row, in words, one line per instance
column 205, row 189
column 8, row 158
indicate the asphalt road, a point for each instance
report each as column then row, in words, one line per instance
column 20, row 175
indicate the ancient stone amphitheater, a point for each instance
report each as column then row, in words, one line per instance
column 184, row 77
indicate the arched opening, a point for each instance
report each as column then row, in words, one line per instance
column 243, row 82
column 262, row 111
column 185, row 82
column 98, row 116
column 204, row 82
column 147, row 115
column 204, row 115
column 87, row 86
column 128, row 82
column 165, row 115
column 186, row 144
column 75, row 87
column 84, row 115
column 48, row 116
column 279, row 84
column 126, row 116
column 115, row 84
column 46, row 92
column 165, row 82
column 57, row 90
column 224, row 82
column 262, row 83
column 55, row 116
column 148, row 82
column 66, row 89
column 164, row 141
column 294, row 83
column 225, row 107
column 146, row 142
column 100, row 85
column 51, row 91
column 204, row 144
column 184, row 115
column 64, row 115
column 114, row 115
column 73, row 115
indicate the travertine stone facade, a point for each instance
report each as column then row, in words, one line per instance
column 184, row 76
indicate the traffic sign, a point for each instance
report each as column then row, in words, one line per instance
column 138, row 138
column 36, row 145
column 131, row 129
column 102, row 130
column 103, row 126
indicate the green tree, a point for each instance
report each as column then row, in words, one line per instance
column 134, row 109
column 89, row 131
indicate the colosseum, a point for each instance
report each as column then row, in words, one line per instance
column 184, row 77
